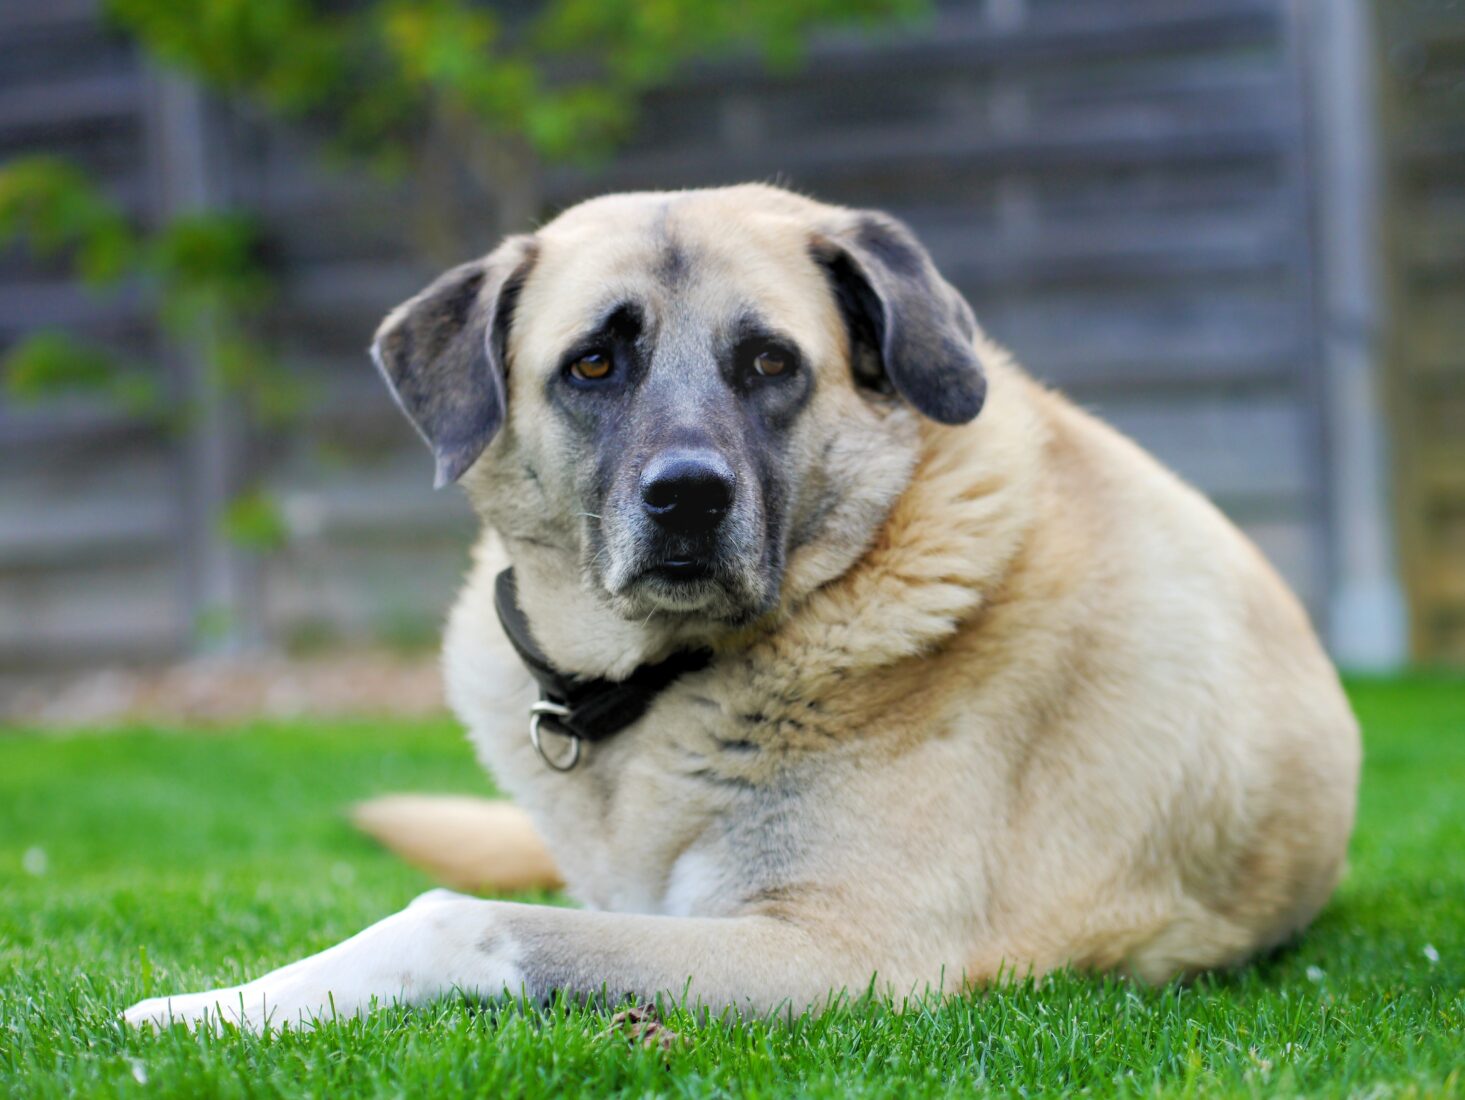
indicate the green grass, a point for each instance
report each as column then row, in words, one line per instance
column 183, row 861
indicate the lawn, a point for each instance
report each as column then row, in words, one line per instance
column 145, row 861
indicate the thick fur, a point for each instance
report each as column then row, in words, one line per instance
column 1023, row 699
column 468, row 843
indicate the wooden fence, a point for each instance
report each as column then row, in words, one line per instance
column 1122, row 188
column 1422, row 69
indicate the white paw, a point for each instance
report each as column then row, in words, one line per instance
column 429, row 949
column 237, row 1005
column 300, row 996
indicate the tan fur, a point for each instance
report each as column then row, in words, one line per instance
column 1026, row 701
column 467, row 843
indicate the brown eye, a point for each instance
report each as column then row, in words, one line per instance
column 592, row 367
column 769, row 363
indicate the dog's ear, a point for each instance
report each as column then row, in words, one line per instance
column 442, row 354
column 909, row 328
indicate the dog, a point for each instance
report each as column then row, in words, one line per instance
column 837, row 653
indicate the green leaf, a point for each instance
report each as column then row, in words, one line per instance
column 51, row 205
column 211, row 259
column 47, row 363
column 253, row 520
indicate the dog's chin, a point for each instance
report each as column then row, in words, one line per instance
column 690, row 591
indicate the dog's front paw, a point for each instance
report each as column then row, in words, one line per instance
column 237, row 1005
column 297, row 996
column 440, row 943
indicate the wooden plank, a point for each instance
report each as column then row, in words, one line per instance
column 1094, row 195
column 1144, row 336
column 1086, row 250
column 1247, row 448
column 65, row 104
column 352, row 592
column 361, row 431
column 291, row 177
column 92, row 532
column 62, row 422
column 950, row 148
column 20, row 16
column 88, row 613
column 388, row 501
column 82, row 474
column 26, row 305
column 372, row 286
column 1165, row 90
column 372, row 229
column 62, row 57
column 962, row 37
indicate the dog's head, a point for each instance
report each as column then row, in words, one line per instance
column 687, row 390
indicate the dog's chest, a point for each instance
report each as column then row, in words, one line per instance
column 647, row 820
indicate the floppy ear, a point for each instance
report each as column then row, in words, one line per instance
column 909, row 328
column 442, row 355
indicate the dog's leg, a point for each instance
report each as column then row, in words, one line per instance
column 445, row 942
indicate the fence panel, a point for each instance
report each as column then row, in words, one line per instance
column 1422, row 70
column 1119, row 187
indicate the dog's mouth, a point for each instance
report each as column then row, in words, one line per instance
column 650, row 573
column 680, row 583
column 679, row 570
column 683, row 568
column 684, row 585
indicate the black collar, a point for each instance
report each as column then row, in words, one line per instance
column 592, row 709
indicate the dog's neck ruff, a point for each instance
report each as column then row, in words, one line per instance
column 578, row 709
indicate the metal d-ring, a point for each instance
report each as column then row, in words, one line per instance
column 538, row 712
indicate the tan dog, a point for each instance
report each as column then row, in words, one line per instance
column 966, row 694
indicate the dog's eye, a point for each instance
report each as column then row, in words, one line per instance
column 770, row 362
column 592, row 367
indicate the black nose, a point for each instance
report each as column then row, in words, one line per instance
column 687, row 491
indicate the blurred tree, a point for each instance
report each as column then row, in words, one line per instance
column 437, row 85
column 441, row 87
column 201, row 272
column 449, row 86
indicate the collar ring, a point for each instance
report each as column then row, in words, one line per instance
column 538, row 712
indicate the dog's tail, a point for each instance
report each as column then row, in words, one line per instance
column 469, row 843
